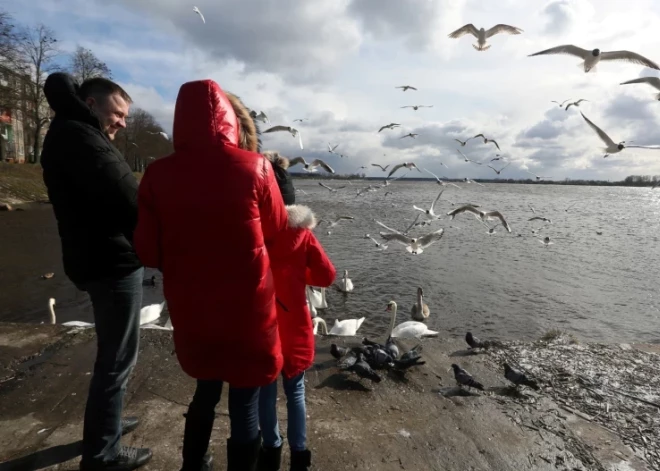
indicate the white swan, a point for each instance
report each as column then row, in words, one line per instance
column 317, row 298
column 347, row 327
column 148, row 314
column 318, row 321
column 409, row 329
column 345, row 284
column 420, row 310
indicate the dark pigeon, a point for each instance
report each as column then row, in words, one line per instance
column 474, row 342
column 404, row 364
column 337, row 351
column 391, row 348
column 463, row 378
column 347, row 361
column 363, row 370
column 414, row 352
column 518, row 378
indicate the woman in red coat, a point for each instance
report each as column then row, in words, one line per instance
column 297, row 260
column 205, row 215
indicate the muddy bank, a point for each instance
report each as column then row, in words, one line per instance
column 419, row 421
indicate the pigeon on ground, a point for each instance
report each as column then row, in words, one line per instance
column 519, row 378
column 337, row 351
column 474, row 342
column 463, row 378
column 364, row 370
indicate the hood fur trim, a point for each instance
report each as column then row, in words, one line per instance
column 248, row 137
column 276, row 159
column 301, row 217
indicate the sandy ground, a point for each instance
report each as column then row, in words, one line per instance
column 419, row 421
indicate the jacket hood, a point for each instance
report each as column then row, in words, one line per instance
column 301, row 217
column 284, row 180
column 248, row 138
column 204, row 117
column 61, row 91
column 276, row 159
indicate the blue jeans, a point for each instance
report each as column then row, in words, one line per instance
column 294, row 389
column 116, row 303
column 243, row 418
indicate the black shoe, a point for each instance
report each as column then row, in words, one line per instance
column 128, row 424
column 129, row 458
column 207, row 464
column 243, row 456
column 270, row 459
column 301, row 460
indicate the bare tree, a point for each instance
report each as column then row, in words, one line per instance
column 38, row 49
column 83, row 65
column 141, row 141
column 10, row 90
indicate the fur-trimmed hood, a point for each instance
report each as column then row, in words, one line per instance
column 248, row 138
column 276, row 159
column 301, row 217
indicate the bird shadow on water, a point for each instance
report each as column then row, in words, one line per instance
column 44, row 458
column 342, row 382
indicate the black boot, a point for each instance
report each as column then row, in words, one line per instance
column 196, row 439
column 243, row 456
column 301, row 460
column 270, row 459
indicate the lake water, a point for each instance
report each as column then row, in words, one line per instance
column 598, row 287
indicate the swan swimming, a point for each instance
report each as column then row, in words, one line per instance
column 420, row 310
column 317, row 298
column 408, row 329
column 318, row 321
column 148, row 314
column 345, row 284
column 347, row 327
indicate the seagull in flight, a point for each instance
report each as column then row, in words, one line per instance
column 592, row 58
column 334, row 190
column 161, row 133
column 486, row 140
column 405, row 88
column 612, row 147
column 653, row 81
column 384, row 169
column 575, row 103
column 540, row 218
column 497, row 157
column 331, row 149
column 337, row 221
column 466, row 159
column 429, row 212
column 408, row 165
column 538, row 178
column 482, row 34
column 467, row 180
column 500, row 170
column 414, row 245
column 300, row 120
column 410, row 134
column 483, row 215
column 441, row 182
column 196, row 10
column 379, row 245
column 294, row 132
column 462, row 143
column 311, row 167
column 389, row 126
column 416, row 107
column 261, row 116
column 561, row 105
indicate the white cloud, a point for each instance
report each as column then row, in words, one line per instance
column 337, row 63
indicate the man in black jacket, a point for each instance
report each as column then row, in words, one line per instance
column 94, row 196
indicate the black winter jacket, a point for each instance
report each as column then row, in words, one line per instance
column 91, row 187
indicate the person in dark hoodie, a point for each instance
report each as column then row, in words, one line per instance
column 94, row 197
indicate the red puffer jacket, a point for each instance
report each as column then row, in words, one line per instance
column 205, row 214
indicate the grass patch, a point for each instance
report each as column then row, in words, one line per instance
column 21, row 183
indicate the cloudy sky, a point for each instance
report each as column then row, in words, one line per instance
column 337, row 63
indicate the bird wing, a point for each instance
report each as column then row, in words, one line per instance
column 604, row 137
column 431, row 238
column 565, row 49
column 464, row 156
column 582, row 99
column 479, row 135
column 296, row 161
column 498, row 215
column 383, row 127
column 325, row 186
column 196, row 10
column 296, row 132
column 322, row 164
column 343, row 217
column 496, row 144
column 462, row 31
column 535, row 218
column 407, row 106
column 502, row 28
column 280, row 128
column 653, row 81
column 400, row 238
column 379, row 166
column 469, row 208
column 394, row 169
column 505, row 166
column 413, row 224
column 531, row 173
column 493, row 168
column 628, row 56
column 429, row 172
column 475, row 182
column 436, row 199
column 388, row 228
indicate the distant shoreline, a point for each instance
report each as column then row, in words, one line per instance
column 318, row 176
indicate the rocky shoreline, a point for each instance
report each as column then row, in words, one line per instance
column 417, row 421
